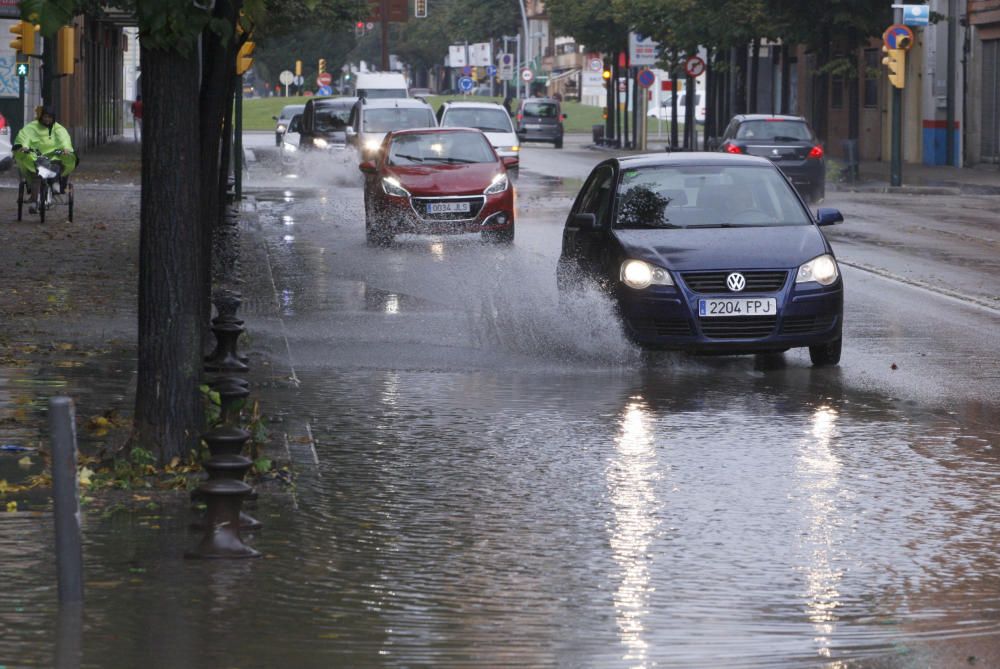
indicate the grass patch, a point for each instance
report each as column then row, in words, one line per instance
column 258, row 112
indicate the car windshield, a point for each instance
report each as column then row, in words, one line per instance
column 381, row 93
column 706, row 197
column 540, row 109
column 440, row 147
column 775, row 131
column 329, row 119
column 397, row 118
column 487, row 120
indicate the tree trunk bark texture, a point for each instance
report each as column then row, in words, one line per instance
column 168, row 406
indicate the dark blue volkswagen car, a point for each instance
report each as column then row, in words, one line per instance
column 707, row 252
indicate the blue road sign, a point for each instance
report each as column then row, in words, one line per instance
column 324, row 90
column 915, row 15
column 646, row 78
column 466, row 84
column 491, row 70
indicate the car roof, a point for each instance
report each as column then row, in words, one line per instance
column 540, row 100
column 766, row 117
column 333, row 102
column 700, row 158
column 435, row 130
column 291, row 109
column 474, row 105
column 383, row 103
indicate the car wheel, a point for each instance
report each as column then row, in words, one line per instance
column 558, row 143
column 826, row 355
column 499, row 236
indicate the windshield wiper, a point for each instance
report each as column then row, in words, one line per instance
column 455, row 160
column 416, row 159
column 718, row 225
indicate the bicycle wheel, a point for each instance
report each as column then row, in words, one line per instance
column 69, row 201
column 20, row 198
column 42, row 195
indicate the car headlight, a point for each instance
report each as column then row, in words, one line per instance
column 515, row 148
column 372, row 145
column 639, row 274
column 281, row 128
column 822, row 269
column 391, row 186
column 498, row 185
column 290, row 147
column 320, row 143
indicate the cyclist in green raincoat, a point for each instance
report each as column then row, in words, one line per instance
column 48, row 138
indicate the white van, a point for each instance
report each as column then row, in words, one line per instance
column 372, row 85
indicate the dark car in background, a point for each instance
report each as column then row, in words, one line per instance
column 324, row 123
column 788, row 142
column 706, row 252
column 540, row 120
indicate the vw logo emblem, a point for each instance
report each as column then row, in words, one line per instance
column 736, row 282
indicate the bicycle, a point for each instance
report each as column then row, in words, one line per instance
column 53, row 188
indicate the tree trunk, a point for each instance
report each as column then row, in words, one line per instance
column 168, row 407
column 218, row 72
column 710, row 98
column 740, row 78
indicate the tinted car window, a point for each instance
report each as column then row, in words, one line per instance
column 441, row 147
column 706, row 196
column 540, row 109
column 487, row 120
column 381, row 93
column 386, row 120
column 775, row 131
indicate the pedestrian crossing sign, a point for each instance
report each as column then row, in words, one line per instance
column 22, row 69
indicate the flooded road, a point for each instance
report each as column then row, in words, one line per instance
column 487, row 477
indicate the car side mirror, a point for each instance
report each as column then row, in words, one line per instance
column 828, row 216
column 368, row 167
column 584, row 221
column 511, row 161
column 349, row 131
column 563, row 117
column 275, row 118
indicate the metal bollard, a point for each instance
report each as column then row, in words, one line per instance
column 66, row 499
column 225, row 357
column 222, row 521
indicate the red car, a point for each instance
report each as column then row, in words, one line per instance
column 438, row 180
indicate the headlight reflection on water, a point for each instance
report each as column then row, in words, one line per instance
column 631, row 477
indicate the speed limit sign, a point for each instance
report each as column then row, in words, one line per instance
column 694, row 66
column 527, row 75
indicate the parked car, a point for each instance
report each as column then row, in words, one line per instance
column 788, row 142
column 371, row 119
column 489, row 117
column 324, row 123
column 540, row 120
column 707, row 252
column 282, row 119
column 439, row 180
column 291, row 143
column 665, row 111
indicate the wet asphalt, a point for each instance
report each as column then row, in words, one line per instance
column 489, row 478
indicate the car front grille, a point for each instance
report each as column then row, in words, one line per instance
column 476, row 203
column 738, row 327
column 715, row 282
column 800, row 325
column 661, row 327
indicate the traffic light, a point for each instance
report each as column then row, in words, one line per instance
column 244, row 59
column 66, row 62
column 359, row 28
column 25, row 40
column 322, row 65
column 475, row 73
column 606, row 74
column 895, row 61
column 298, row 68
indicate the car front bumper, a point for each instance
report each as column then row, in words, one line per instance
column 408, row 215
column 667, row 317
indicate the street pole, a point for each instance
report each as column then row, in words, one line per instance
column 385, row 35
column 527, row 48
column 238, row 139
column 896, row 170
column 949, row 141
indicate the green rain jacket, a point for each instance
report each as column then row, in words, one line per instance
column 46, row 140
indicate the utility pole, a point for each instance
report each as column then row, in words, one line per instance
column 527, row 49
column 896, row 172
column 949, row 141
